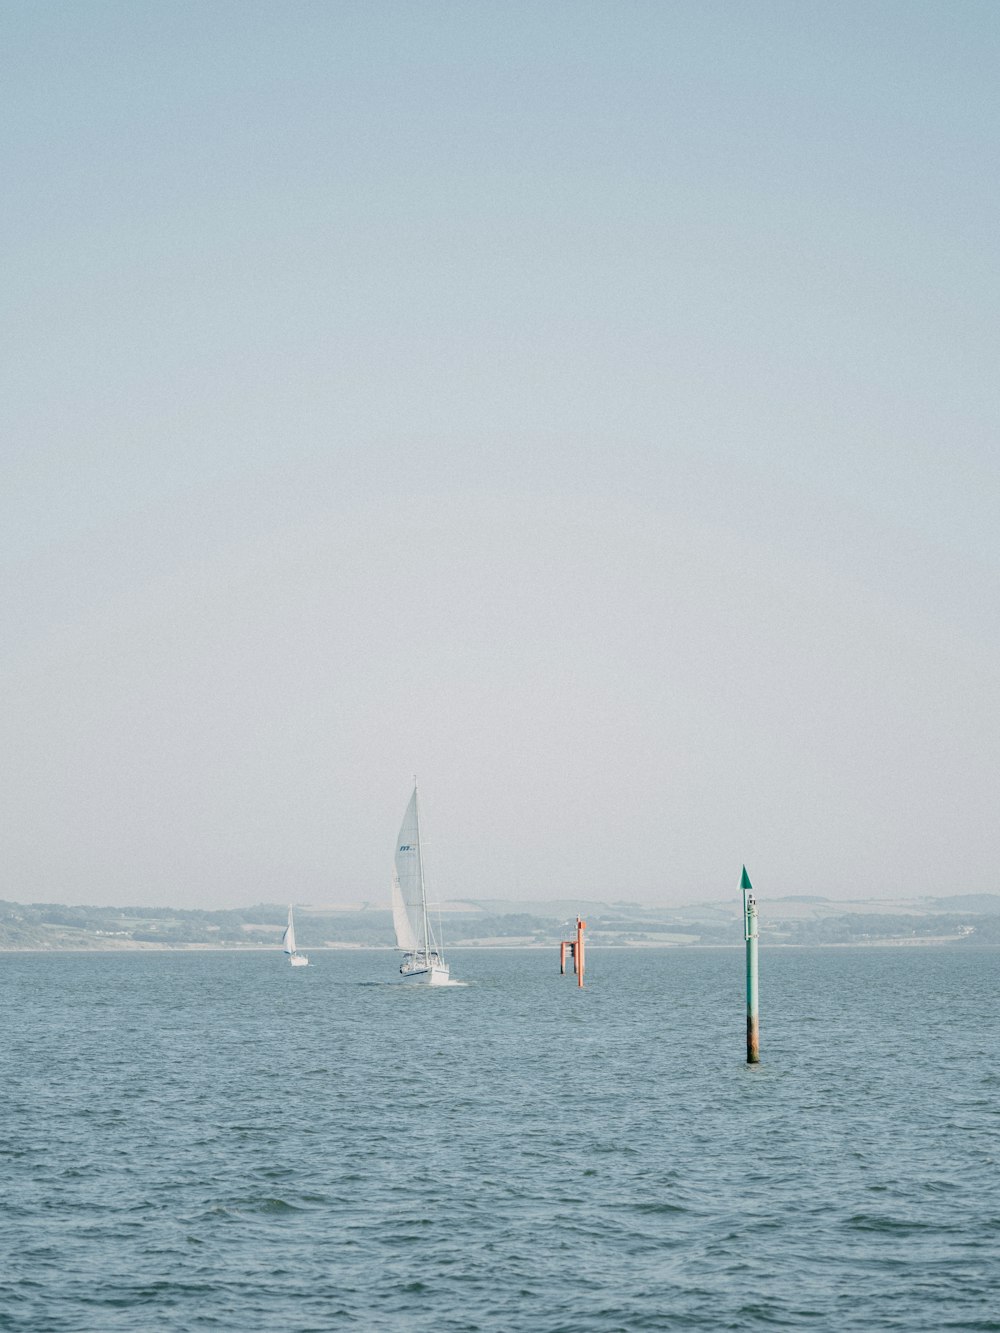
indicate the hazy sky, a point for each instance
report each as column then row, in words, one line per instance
column 589, row 407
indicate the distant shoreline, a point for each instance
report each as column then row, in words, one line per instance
column 962, row 921
column 934, row 942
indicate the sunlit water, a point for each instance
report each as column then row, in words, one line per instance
column 219, row 1141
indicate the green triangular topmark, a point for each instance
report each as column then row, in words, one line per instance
column 745, row 881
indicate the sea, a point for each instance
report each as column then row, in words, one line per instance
column 213, row 1140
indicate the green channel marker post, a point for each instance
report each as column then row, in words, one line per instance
column 750, row 935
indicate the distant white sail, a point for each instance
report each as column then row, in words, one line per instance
column 288, row 943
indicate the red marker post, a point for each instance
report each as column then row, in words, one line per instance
column 575, row 950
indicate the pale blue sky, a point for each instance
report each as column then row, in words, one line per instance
column 589, row 407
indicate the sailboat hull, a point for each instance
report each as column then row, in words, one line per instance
column 431, row 976
column 421, row 971
column 299, row 960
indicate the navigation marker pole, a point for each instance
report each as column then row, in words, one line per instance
column 750, row 935
column 575, row 950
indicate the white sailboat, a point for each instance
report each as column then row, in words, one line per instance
column 423, row 962
column 288, row 943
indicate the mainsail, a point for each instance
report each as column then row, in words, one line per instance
column 409, row 908
column 288, row 939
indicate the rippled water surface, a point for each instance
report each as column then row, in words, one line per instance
column 218, row 1141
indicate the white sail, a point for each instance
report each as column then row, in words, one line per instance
column 405, row 936
column 409, row 879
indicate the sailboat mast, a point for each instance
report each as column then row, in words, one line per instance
column 420, row 867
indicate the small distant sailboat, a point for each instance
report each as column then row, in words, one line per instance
column 423, row 962
column 288, row 944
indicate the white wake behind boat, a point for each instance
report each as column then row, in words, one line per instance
column 288, row 944
column 423, row 963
